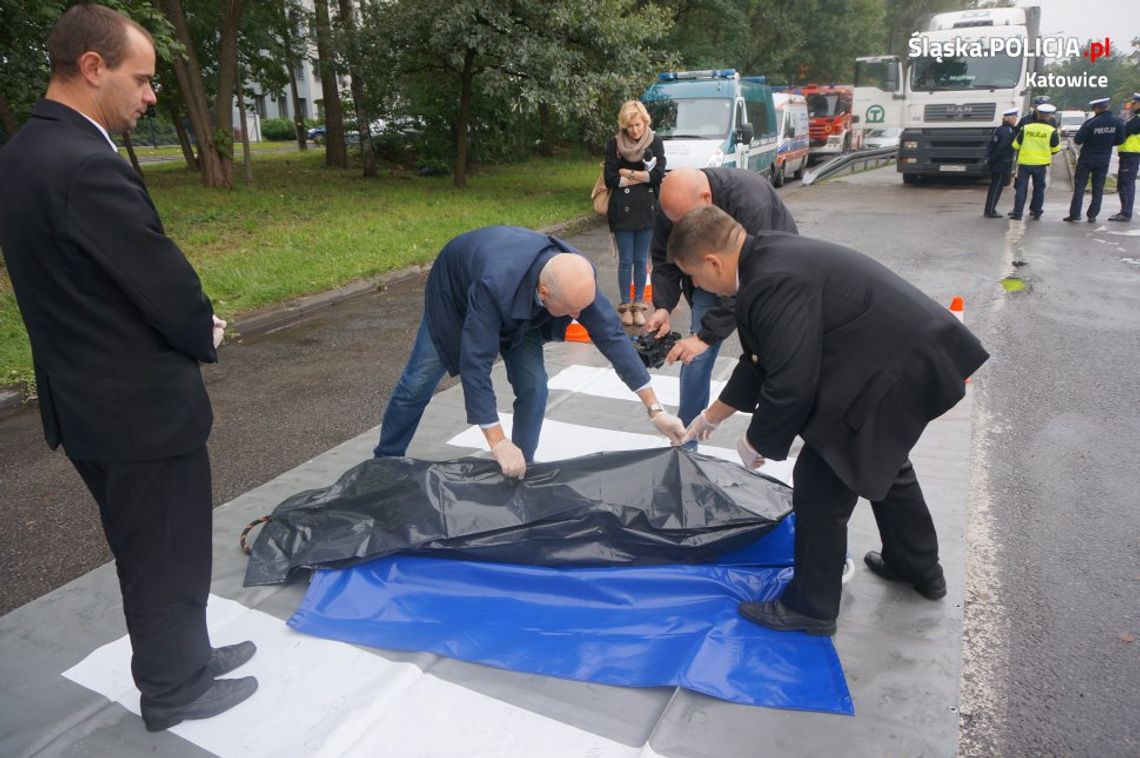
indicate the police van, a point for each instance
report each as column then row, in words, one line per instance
column 714, row 118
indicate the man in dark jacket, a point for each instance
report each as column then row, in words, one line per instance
column 506, row 290
column 999, row 158
column 1097, row 137
column 118, row 324
column 847, row 355
column 750, row 199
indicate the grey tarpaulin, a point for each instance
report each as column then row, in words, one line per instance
column 660, row 505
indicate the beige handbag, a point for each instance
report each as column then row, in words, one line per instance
column 601, row 193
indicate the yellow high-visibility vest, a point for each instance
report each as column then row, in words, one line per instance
column 1132, row 144
column 1036, row 144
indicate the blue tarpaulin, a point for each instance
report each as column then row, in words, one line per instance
column 667, row 625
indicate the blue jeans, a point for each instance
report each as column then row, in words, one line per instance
column 1021, row 187
column 633, row 258
column 425, row 370
column 695, row 376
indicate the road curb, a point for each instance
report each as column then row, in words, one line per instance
column 279, row 315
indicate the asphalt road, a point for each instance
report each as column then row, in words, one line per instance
column 1054, row 544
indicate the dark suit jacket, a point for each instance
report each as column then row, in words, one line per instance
column 480, row 298
column 844, row 353
column 753, row 203
column 115, row 313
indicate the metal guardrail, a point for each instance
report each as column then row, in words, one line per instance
column 840, row 162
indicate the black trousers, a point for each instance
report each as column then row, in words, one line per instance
column 823, row 505
column 1080, row 179
column 157, row 518
column 997, row 181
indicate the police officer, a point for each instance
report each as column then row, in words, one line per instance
column 1036, row 144
column 1129, row 155
column 1030, row 117
column 1097, row 137
column 999, row 157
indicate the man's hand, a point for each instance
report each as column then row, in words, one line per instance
column 700, row 429
column 658, row 321
column 748, row 455
column 219, row 331
column 510, row 458
column 686, row 350
column 669, row 425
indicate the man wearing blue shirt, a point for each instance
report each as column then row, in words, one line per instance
column 505, row 290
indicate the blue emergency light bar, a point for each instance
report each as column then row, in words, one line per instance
column 708, row 73
column 757, row 79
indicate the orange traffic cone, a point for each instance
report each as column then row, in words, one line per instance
column 575, row 332
column 958, row 308
column 648, row 296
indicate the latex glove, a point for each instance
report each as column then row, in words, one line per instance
column 670, row 426
column 219, row 331
column 686, row 350
column 699, row 430
column 510, row 458
column 748, row 455
column 658, row 321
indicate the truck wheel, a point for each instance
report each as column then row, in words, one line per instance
column 799, row 172
column 778, row 177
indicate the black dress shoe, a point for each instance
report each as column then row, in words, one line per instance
column 1015, row 216
column 1119, row 217
column 222, row 695
column 931, row 589
column 225, row 659
column 994, row 215
column 1091, row 219
column 775, row 615
column 1071, row 219
column 1035, row 216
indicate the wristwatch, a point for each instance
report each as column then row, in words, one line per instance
column 654, row 408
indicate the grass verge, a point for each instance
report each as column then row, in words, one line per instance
column 302, row 228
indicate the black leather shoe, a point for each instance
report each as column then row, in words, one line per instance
column 1015, row 216
column 1119, row 217
column 1071, row 219
column 222, row 695
column 1091, row 219
column 994, row 215
column 931, row 589
column 1035, row 216
column 225, row 659
column 775, row 615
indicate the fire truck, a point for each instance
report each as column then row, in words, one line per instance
column 829, row 107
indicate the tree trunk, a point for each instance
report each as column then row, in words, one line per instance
column 335, row 153
column 189, row 76
column 467, row 79
column 7, row 117
column 298, row 117
column 183, row 137
column 244, row 121
column 356, row 82
column 134, row 158
column 227, row 83
column 546, row 118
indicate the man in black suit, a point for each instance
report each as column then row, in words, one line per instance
column 118, row 324
column 856, row 361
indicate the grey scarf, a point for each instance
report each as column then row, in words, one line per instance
column 633, row 151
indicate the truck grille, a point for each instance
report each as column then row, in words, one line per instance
column 964, row 112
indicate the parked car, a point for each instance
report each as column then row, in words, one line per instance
column 316, row 135
column 1070, row 122
column 887, row 136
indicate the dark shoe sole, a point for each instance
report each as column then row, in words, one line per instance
column 238, row 691
column 820, row 629
column 935, row 590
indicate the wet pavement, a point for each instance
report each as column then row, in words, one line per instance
column 1053, row 544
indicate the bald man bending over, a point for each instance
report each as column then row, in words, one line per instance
column 503, row 290
column 752, row 202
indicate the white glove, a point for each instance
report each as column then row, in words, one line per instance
column 670, row 426
column 700, row 429
column 748, row 455
column 219, row 331
column 510, row 458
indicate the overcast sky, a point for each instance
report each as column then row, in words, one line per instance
column 1118, row 20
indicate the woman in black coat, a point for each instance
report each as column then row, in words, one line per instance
column 635, row 165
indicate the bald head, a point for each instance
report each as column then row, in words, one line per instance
column 683, row 190
column 566, row 285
